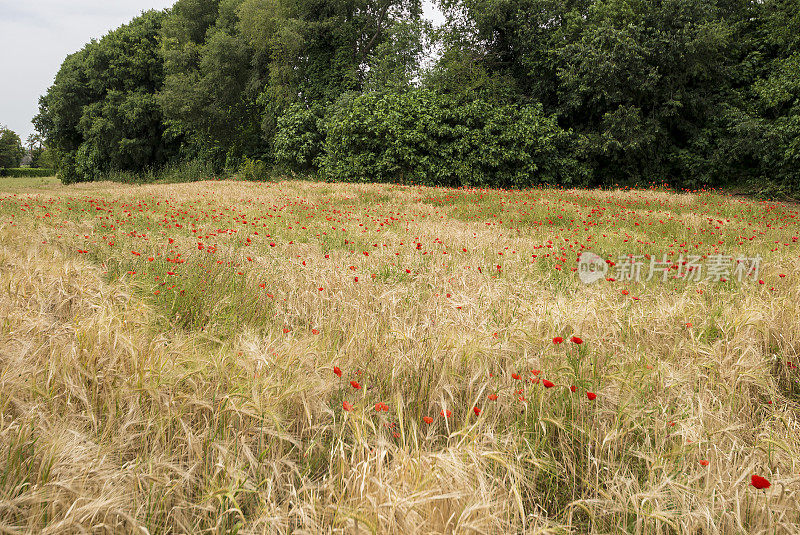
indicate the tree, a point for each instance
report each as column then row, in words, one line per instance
column 511, row 46
column 101, row 114
column 35, row 147
column 694, row 92
column 34, row 141
column 211, row 81
column 777, row 93
column 395, row 63
column 644, row 84
column 233, row 67
column 11, row 150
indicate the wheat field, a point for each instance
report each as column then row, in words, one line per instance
column 304, row 357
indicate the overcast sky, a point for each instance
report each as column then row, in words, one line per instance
column 36, row 36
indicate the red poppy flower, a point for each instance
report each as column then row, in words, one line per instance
column 314, row 331
column 427, row 419
column 493, row 397
column 573, row 388
column 515, row 376
column 476, row 410
column 346, row 406
column 286, row 330
column 380, row 406
column 558, row 340
column 355, row 385
column 536, row 372
column 576, row 340
column 548, row 384
column 445, row 414
column 337, row 371
column 704, row 462
column 759, row 482
column 591, row 395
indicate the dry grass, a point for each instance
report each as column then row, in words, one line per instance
column 205, row 401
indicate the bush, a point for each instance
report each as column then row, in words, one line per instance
column 300, row 138
column 188, row 171
column 255, row 170
column 435, row 139
column 26, row 172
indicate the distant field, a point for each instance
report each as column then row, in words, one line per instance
column 225, row 357
column 8, row 184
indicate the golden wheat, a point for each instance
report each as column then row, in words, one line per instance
column 129, row 406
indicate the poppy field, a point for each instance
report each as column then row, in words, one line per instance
column 307, row 357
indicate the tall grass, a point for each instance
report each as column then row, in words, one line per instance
column 205, row 400
column 188, row 171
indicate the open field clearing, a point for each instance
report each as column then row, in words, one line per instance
column 301, row 357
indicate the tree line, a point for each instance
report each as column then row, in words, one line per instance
column 521, row 92
column 13, row 153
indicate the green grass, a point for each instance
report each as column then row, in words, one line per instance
column 22, row 183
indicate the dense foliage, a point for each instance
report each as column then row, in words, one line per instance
column 11, row 150
column 102, row 114
column 26, row 172
column 429, row 138
column 596, row 92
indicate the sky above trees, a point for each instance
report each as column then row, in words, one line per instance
column 35, row 37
